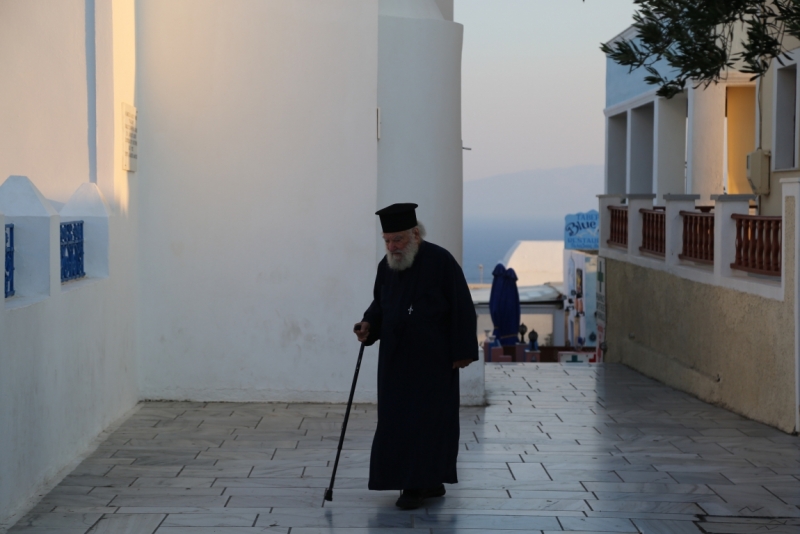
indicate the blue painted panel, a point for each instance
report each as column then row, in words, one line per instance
column 9, row 269
column 582, row 231
column 72, row 251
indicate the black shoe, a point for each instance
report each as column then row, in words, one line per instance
column 411, row 499
column 438, row 491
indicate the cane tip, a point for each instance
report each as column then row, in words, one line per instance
column 328, row 495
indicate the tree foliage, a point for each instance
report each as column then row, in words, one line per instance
column 695, row 41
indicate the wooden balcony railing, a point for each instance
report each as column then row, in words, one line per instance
column 758, row 244
column 698, row 237
column 654, row 231
column 619, row 226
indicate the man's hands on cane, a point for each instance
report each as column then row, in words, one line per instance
column 362, row 331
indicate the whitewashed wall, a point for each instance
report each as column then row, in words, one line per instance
column 419, row 94
column 258, row 174
column 67, row 353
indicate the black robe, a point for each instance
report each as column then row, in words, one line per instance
column 425, row 319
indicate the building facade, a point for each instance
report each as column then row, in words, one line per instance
column 701, row 268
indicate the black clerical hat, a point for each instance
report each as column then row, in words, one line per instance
column 397, row 217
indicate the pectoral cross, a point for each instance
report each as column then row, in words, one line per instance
column 410, row 309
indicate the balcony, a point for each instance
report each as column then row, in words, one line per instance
column 721, row 244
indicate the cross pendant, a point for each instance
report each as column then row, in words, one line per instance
column 410, row 309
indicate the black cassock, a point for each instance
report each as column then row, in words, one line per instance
column 425, row 319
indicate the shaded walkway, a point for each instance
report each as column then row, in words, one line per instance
column 560, row 448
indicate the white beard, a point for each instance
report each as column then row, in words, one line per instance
column 407, row 258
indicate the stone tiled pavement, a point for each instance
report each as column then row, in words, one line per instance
column 573, row 448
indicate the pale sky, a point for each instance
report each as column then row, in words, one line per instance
column 533, row 82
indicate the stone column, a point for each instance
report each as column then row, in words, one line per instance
column 725, row 229
column 605, row 216
column 635, row 203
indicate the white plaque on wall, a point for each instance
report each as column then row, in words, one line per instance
column 130, row 147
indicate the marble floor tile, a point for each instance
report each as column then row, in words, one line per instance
column 486, row 522
column 136, row 501
column 318, row 530
column 238, row 519
column 333, row 519
column 597, row 524
column 222, row 530
column 45, row 530
column 127, row 524
column 657, row 507
column 652, row 526
column 59, row 520
column 176, row 482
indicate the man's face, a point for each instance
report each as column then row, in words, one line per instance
column 396, row 243
column 401, row 247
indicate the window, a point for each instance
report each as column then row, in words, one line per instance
column 785, row 118
column 9, row 278
column 72, row 251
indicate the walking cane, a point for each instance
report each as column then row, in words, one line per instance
column 329, row 491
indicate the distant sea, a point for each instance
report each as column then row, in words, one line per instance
column 486, row 241
column 528, row 205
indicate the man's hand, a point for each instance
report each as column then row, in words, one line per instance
column 362, row 331
column 460, row 364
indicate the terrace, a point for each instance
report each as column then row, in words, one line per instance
column 559, row 448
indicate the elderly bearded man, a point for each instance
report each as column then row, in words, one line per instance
column 423, row 314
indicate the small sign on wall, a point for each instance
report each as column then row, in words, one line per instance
column 130, row 143
column 582, row 231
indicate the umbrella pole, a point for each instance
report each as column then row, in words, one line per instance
column 329, row 491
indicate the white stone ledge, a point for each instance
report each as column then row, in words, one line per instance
column 18, row 302
column 720, row 273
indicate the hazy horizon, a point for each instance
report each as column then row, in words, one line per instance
column 533, row 82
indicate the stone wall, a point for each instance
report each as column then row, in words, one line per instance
column 730, row 348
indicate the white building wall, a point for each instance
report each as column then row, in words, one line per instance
column 67, row 353
column 258, row 163
column 419, row 94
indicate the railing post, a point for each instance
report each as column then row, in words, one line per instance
column 674, row 224
column 725, row 229
column 635, row 224
column 604, row 202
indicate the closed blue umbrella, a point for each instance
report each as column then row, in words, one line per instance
column 504, row 305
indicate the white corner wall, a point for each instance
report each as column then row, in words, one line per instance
column 67, row 353
column 258, row 241
column 419, row 94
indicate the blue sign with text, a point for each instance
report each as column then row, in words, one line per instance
column 582, row 231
